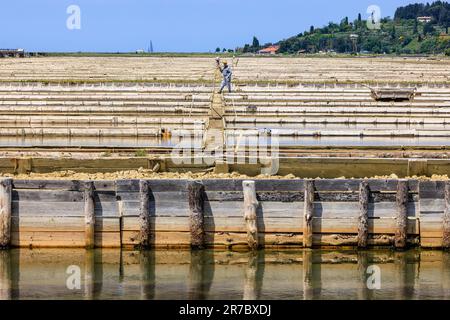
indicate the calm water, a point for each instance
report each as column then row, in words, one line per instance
column 289, row 141
column 137, row 142
column 115, row 274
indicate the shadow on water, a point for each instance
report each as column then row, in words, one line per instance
column 207, row 274
column 147, row 273
column 201, row 274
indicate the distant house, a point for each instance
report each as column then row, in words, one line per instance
column 424, row 19
column 269, row 50
column 18, row 53
column 140, row 51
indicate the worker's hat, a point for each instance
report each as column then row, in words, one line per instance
column 224, row 62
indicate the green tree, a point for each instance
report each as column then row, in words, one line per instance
column 393, row 32
column 428, row 28
column 255, row 43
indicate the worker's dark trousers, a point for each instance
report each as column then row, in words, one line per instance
column 225, row 84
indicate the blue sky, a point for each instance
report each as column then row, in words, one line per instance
column 172, row 25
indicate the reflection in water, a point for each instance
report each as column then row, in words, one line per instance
column 5, row 275
column 201, row 274
column 254, row 275
column 147, row 273
column 198, row 275
column 118, row 142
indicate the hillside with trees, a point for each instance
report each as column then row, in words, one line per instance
column 403, row 34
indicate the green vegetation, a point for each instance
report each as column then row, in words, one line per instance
column 402, row 35
column 141, row 153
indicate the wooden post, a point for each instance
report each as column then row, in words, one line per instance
column 308, row 214
column 402, row 214
column 144, row 215
column 250, row 207
column 196, row 191
column 89, row 215
column 363, row 219
column 5, row 212
column 446, row 218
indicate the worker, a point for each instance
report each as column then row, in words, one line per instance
column 226, row 73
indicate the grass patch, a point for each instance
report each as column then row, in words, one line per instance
column 141, row 153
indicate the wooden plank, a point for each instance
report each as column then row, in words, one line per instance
column 5, row 212
column 155, row 196
column 431, row 189
column 272, row 209
column 222, row 240
column 230, row 185
column 67, row 224
column 273, row 225
column 63, row 239
column 430, row 242
column 61, row 185
column 178, row 208
column 160, row 185
column 35, row 195
column 432, row 206
column 74, row 209
column 291, row 196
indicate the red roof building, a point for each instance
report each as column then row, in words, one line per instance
column 269, row 50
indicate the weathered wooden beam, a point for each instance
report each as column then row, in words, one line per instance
column 144, row 215
column 308, row 214
column 89, row 214
column 446, row 218
column 5, row 212
column 250, row 208
column 196, row 192
column 363, row 219
column 402, row 214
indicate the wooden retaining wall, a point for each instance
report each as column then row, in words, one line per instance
column 217, row 213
